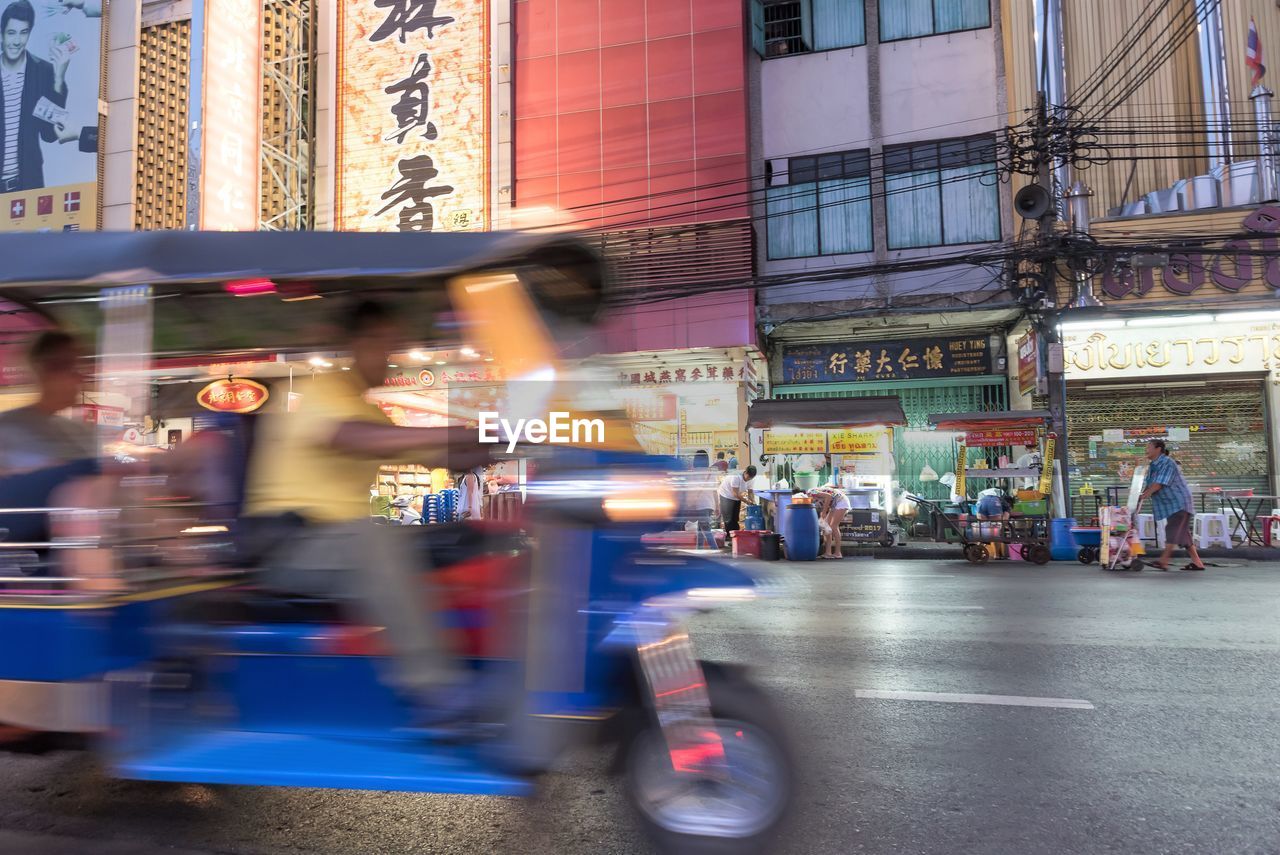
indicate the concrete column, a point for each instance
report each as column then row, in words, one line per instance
column 120, row 148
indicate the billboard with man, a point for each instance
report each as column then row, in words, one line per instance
column 49, row 81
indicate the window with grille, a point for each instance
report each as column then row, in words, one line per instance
column 942, row 193
column 160, row 191
column 787, row 27
column 822, row 207
column 909, row 19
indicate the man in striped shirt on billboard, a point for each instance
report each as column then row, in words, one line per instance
column 26, row 83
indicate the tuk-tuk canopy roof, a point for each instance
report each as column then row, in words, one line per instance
column 827, row 412
column 63, row 273
column 990, row 420
column 97, row 259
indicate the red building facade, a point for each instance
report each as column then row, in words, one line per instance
column 631, row 117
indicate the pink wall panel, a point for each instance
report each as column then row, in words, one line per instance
column 623, row 109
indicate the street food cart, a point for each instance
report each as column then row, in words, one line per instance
column 1028, row 477
column 804, row 442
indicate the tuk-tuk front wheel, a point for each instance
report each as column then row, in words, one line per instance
column 735, row 813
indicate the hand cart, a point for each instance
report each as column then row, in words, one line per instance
column 1120, row 547
column 976, row 537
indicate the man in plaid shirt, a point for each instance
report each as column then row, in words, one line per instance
column 1170, row 501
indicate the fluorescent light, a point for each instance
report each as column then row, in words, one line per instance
column 440, row 362
column 419, row 356
column 468, row 352
column 1272, row 315
column 1088, row 326
column 320, row 362
column 1171, row 320
column 392, row 365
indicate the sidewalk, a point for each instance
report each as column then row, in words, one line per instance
column 929, row 551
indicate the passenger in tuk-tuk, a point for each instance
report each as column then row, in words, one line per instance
column 308, row 523
column 41, row 451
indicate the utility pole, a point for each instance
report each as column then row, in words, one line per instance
column 1049, row 320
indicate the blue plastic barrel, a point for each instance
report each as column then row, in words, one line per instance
column 800, row 532
column 1062, row 546
column 753, row 520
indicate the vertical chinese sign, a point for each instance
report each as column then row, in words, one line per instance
column 230, row 176
column 413, row 107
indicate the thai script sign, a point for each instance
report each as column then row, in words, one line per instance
column 904, row 359
column 1220, row 348
column 1028, row 362
column 1229, row 269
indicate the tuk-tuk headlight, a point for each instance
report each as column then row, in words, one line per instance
column 639, row 500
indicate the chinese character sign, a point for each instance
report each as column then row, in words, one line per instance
column 867, row 361
column 413, row 133
column 230, row 176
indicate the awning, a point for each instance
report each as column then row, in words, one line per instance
column 989, row 420
column 827, row 412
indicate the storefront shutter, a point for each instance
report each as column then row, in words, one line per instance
column 1226, row 421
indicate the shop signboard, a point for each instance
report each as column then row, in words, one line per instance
column 1221, row 348
column 663, row 374
column 231, row 133
column 902, row 359
column 795, row 442
column 233, row 396
column 854, row 441
column 413, row 115
column 1001, row 438
column 1046, row 468
column 51, row 181
column 1028, row 362
column 1245, row 267
column 962, row 470
column 652, row 408
column 863, row 525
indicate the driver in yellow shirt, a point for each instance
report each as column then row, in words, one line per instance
column 308, row 514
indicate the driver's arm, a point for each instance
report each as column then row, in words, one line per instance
column 371, row 439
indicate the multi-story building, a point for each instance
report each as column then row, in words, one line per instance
column 1183, row 202
column 875, row 129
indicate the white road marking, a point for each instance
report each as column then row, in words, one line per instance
column 997, row 700
column 910, row 606
column 901, row 576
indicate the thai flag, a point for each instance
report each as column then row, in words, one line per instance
column 1253, row 54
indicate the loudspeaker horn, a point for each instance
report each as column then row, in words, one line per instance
column 1032, row 202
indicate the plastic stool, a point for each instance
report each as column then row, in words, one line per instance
column 1269, row 525
column 1210, row 530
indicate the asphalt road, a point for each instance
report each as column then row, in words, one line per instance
column 1154, row 729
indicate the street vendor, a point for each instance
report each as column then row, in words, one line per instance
column 1170, row 501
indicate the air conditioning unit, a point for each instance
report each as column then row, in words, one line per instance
column 1239, row 182
column 1162, row 201
column 1199, row 193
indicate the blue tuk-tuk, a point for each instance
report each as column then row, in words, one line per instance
column 135, row 629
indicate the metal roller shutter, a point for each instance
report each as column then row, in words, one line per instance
column 1226, row 419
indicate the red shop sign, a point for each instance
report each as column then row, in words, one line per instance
column 1000, row 437
column 232, row 396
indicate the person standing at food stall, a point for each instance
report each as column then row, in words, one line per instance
column 735, row 488
column 700, row 499
column 1170, row 501
column 469, row 494
column 834, row 506
column 721, row 463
